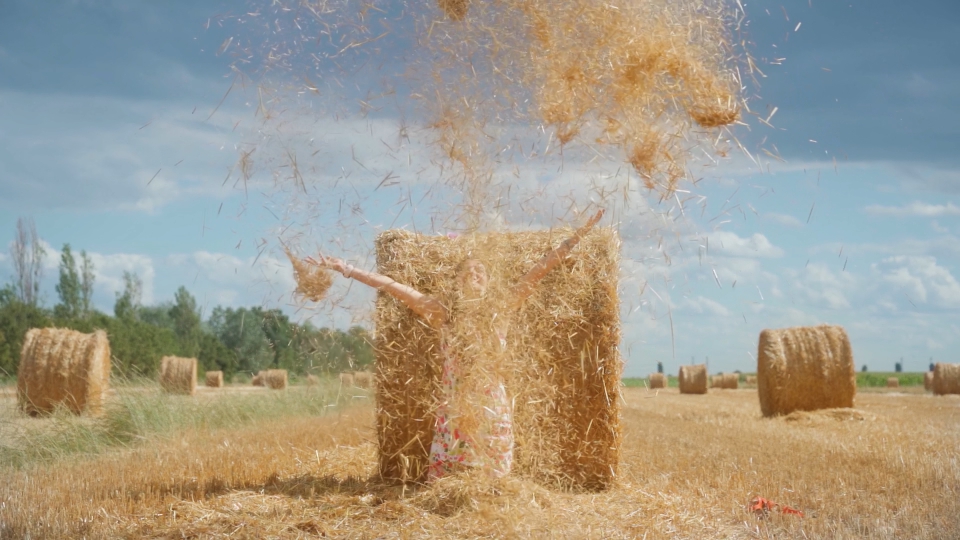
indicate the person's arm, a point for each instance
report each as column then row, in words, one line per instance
column 528, row 283
column 425, row 306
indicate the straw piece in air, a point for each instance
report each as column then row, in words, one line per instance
column 178, row 375
column 61, row 367
column 693, row 379
column 805, row 369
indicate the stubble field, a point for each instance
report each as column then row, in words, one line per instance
column 887, row 469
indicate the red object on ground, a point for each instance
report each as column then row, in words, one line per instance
column 762, row 506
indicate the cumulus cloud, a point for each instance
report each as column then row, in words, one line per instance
column 915, row 209
column 783, row 219
column 729, row 244
column 821, row 286
column 921, row 279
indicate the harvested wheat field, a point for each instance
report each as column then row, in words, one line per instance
column 691, row 464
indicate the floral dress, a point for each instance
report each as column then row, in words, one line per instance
column 491, row 447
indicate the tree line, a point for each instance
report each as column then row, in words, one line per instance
column 233, row 340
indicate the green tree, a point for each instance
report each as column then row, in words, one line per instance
column 158, row 315
column 127, row 306
column 241, row 331
column 69, row 287
column 27, row 256
column 186, row 322
column 86, row 284
column 16, row 318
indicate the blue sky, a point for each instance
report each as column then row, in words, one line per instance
column 109, row 140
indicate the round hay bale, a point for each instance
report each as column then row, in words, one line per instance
column 658, row 380
column 63, row 367
column 751, row 379
column 805, row 369
column 275, row 379
column 178, row 375
column 693, row 379
column 346, row 379
column 946, row 379
column 730, row 381
column 257, row 379
column 313, row 380
column 893, row 382
column 928, row 381
column 363, row 379
column 214, row 379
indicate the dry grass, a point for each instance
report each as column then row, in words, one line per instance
column 885, row 469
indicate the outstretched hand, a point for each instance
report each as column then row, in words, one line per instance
column 589, row 224
column 332, row 263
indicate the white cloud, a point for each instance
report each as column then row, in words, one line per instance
column 783, row 219
column 915, row 209
column 821, row 286
column 705, row 306
column 921, row 279
column 728, row 244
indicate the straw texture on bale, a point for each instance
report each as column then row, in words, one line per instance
column 658, row 380
column 730, row 381
column 693, row 379
column 178, row 375
column 716, row 381
column 275, row 379
column 893, row 382
column 805, row 369
column 363, row 379
column 946, row 379
column 928, row 381
column 564, row 367
column 214, row 379
column 60, row 367
column 346, row 379
column 257, row 379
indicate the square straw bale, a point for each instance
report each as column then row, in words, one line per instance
column 214, row 379
column 805, row 368
column 178, row 375
column 275, row 379
column 658, row 380
column 63, row 367
column 565, row 366
column 928, row 380
column 693, row 379
column 946, row 379
column 893, row 382
column 730, row 381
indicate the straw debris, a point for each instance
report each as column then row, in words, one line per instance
column 805, row 369
column 312, row 282
column 63, row 368
column 178, row 375
column 563, row 367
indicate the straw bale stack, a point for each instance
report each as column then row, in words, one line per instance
column 61, row 367
column 658, row 380
column 893, row 382
column 346, row 379
column 805, row 369
column 928, row 381
column 275, row 379
column 693, row 379
column 214, row 379
column 178, row 375
column 313, row 380
column 363, row 379
column 564, row 367
column 946, row 379
column 730, row 381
